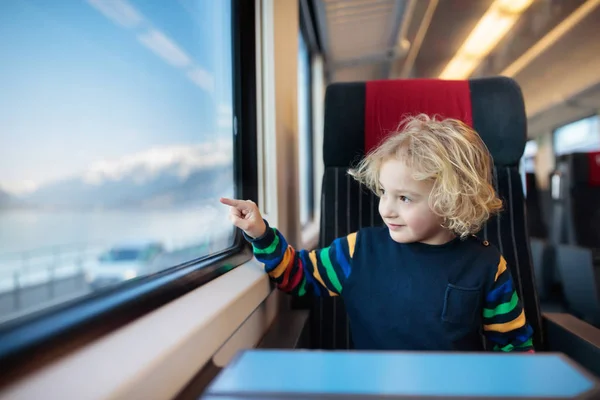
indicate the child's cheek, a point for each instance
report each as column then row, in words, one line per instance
column 422, row 221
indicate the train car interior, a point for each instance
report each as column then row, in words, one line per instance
column 123, row 122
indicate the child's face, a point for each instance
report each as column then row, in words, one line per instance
column 404, row 206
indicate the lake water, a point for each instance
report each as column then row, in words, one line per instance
column 26, row 230
column 37, row 247
column 29, row 238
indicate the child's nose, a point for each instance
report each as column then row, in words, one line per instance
column 387, row 211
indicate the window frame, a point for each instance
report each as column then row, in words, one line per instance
column 307, row 32
column 309, row 195
column 55, row 331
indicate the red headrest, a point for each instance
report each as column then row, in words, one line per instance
column 388, row 102
column 359, row 114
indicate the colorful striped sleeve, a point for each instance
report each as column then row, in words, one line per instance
column 504, row 322
column 321, row 272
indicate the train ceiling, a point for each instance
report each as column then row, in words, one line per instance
column 551, row 47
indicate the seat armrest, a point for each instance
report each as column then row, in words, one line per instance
column 575, row 338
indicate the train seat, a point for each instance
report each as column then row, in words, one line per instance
column 544, row 266
column 580, row 276
column 541, row 249
column 584, row 207
column 358, row 115
column 536, row 224
column 576, row 200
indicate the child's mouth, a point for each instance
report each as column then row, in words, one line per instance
column 394, row 227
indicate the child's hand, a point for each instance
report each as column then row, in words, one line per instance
column 246, row 216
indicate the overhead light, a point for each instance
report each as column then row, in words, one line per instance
column 551, row 37
column 514, row 6
column 491, row 28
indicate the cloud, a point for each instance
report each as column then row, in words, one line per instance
column 202, row 78
column 225, row 116
column 19, row 187
column 225, row 109
column 225, row 122
column 162, row 46
column 144, row 165
column 119, row 11
column 125, row 15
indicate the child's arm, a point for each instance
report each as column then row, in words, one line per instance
column 504, row 322
column 321, row 272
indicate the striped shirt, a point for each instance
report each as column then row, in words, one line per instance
column 468, row 285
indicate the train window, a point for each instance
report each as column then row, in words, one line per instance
column 528, row 159
column 305, row 152
column 527, row 164
column 579, row 136
column 117, row 141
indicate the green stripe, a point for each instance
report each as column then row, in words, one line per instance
column 528, row 343
column 507, row 348
column 330, row 271
column 503, row 308
column 302, row 290
column 271, row 248
column 510, row 347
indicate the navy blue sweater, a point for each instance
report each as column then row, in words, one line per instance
column 407, row 296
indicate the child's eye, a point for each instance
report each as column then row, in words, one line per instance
column 382, row 191
column 404, row 199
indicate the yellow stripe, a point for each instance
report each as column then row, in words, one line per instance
column 280, row 268
column 507, row 326
column 351, row 243
column 313, row 259
column 501, row 268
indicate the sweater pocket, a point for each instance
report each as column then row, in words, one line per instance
column 460, row 304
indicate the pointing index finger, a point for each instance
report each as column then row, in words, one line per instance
column 239, row 204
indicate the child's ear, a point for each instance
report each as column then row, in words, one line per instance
column 444, row 223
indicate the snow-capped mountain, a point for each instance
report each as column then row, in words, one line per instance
column 5, row 198
column 157, row 178
column 179, row 161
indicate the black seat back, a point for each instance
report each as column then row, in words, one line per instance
column 580, row 276
column 585, row 198
column 536, row 224
column 575, row 188
column 358, row 115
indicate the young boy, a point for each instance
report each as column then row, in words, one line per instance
column 423, row 281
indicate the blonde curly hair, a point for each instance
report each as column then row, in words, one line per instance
column 451, row 155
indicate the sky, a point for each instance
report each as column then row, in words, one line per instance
column 85, row 81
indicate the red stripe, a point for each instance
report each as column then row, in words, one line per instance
column 296, row 279
column 388, row 102
column 288, row 270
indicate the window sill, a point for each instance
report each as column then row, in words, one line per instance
column 156, row 355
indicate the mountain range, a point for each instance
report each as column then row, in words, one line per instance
column 159, row 178
column 5, row 198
